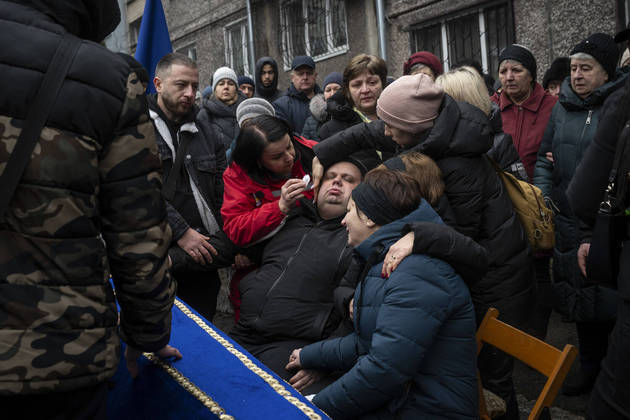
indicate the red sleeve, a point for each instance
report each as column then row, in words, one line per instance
column 306, row 142
column 243, row 222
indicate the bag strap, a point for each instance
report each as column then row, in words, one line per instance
column 609, row 204
column 168, row 192
column 36, row 117
column 504, row 174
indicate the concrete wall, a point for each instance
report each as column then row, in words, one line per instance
column 552, row 28
column 202, row 22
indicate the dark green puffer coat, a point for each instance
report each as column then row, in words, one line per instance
column 571, row 129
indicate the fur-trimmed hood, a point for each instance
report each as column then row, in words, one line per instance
column 317, row 106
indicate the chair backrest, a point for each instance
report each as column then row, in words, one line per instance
column 537, row 354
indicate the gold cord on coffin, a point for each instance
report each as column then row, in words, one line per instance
column 190, row 387
column 205, row 399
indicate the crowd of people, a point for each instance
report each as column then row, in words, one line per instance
column 363, row 225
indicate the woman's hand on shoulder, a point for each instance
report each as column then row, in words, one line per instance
column 397, row 252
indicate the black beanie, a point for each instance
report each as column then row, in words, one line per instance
column 603, row 49
column 560, row 68
column 522, row 55
column 365, row 160
column 375, row 205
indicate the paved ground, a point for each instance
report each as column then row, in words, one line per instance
column 527, row 381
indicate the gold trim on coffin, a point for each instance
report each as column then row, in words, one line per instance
column 190, row 387
column 203, row 397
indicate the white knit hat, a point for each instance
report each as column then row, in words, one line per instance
column 223, row 73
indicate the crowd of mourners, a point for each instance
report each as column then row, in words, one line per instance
column 361, row 223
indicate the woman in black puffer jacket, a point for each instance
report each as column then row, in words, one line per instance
column 418, row 116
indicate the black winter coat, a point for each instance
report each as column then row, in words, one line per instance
column 204, row 162
column 458, row 141
column 586, row 189
column 571, row 129
column 293, row 107
column 341, row 114
column 221, row 117
column 291, row 295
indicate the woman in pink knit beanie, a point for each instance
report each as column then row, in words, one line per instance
column 408, row 106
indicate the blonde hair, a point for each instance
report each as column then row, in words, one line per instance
column 465, row 84
column 426, row 173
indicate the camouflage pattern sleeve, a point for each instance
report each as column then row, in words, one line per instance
column 134, row 225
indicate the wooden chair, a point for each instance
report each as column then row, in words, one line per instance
column 546, row 359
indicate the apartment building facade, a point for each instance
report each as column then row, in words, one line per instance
column 216, row 32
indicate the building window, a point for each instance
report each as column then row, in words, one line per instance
column 190, row 51
column 236, row 47
column 478, row 34
column 313, row 27
column 134, row 31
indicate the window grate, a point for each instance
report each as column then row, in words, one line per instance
column 480, row 35
column 316, row 28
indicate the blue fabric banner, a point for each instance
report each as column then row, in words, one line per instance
column 215, row 379
column 153, row 41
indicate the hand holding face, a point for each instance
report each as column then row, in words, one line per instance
column 318, row 174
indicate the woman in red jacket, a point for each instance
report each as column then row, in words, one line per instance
column 263, row 183
column 525, row 105
column 525, row 111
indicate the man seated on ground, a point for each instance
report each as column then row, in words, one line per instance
column 288, row 302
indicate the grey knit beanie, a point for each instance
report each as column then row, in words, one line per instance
column 223, row 73
column 253, row 107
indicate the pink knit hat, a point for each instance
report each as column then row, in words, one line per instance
column 410, row 103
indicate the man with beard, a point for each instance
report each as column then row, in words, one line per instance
column 193, row 159
column 267, row 79
column 288, row 301
column 86, row 206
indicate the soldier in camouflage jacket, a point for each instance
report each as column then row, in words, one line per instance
column 87, row 206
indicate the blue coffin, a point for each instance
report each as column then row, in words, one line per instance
column 216, row 378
